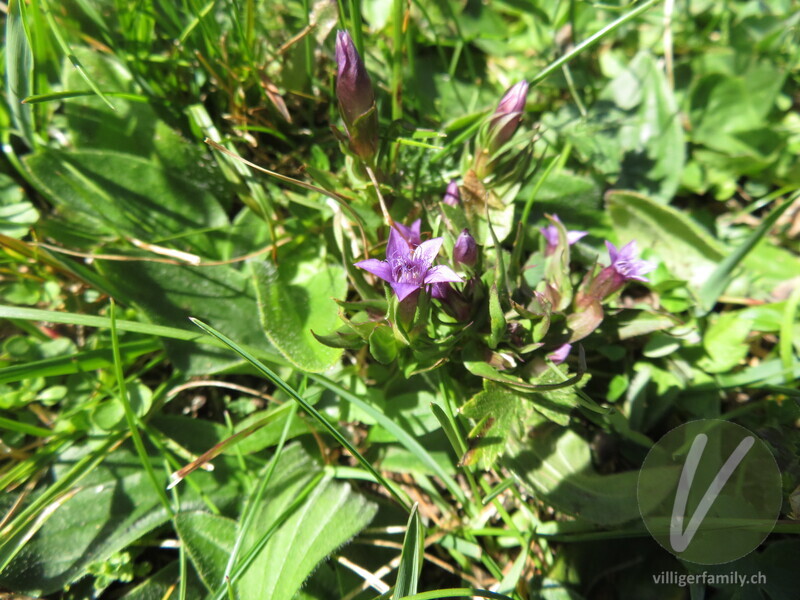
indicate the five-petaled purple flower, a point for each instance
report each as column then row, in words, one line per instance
column 408, row 268
column 624, row 267
column 550, row 234
column 626, row 264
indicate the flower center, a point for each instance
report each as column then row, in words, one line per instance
column 407, row 270
column 626, row 268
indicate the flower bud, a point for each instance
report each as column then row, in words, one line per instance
column 507, row 115
column 465, row 251
column 452, row 197
column 356, row 98
column 502, row 125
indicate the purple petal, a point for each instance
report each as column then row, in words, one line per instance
column 628, row 251
column 574, row 236
column 441, row 274
column 426, row 252
column 550, row 234
column 377, row 267
column 638, row 278
column 612, row 252
column 465, row 250
column 626, row 262
column 397, row 246
column 559, row 355
column 410, row 234
column 403, row 290
column 514, row 98
column 353, row 86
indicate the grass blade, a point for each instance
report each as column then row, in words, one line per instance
column 65, row 48
column 722, row 275
column 258, row 495
column 411, row 558
column 787, row 338
column 591, row 41
column 401, row 434
column 130, row 416
column 174, row 333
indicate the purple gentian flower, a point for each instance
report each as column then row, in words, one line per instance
column 550, row 234
column 452, row 197
column 624, row 267
column 465, row 251
column 408, row 268
column 625, row 263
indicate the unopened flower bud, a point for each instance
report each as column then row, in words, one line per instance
column 502, row 125
column 465, row 251
column 507, row 115
column 356, row 98
column 452, row 197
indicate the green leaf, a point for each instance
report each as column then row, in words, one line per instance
column 162, row 584
column 383, row 345
column 19, row 70
column 499, row 413
column 633, row 135
column 555, row 464
column 689, row 252
column 295, row 298
column 109, row 193
column 497, row 319
column 16, row 213
column 110, row 414
column 170, row 294
column 330, row 516
column 267, row 372
column 651, row 139
column 114, row 506
column 725, row 342
column 209, row 540
column 410, row 567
